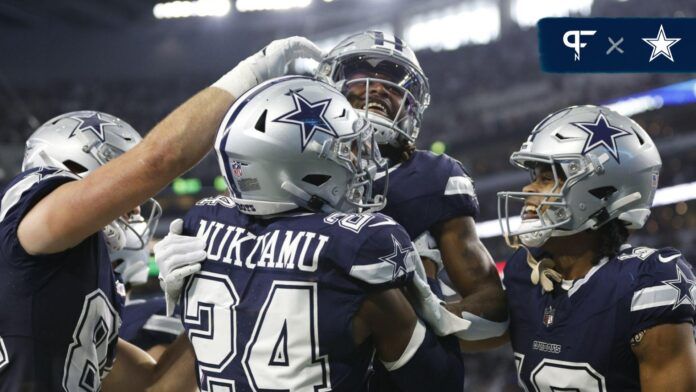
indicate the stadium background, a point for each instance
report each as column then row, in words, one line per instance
column 124, row 58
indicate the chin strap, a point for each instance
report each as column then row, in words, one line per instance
column 542, row 271
column 304, row 199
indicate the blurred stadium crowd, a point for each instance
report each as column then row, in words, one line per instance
column 485, row 100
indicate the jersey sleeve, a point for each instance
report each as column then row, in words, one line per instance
column 665, row 292
column 384, row 256
column 452, row 195
column 459, row 195
column 19, row 197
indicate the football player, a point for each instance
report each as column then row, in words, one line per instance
column 60, row 306
column 590, row 312
column 432, row 196
column 427, row 193
column 298, row 289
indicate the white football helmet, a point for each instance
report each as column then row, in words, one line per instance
column 605, row 167
column 82, row 141
column 375, row 57
column 296, row 142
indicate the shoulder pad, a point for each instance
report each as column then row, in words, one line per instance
column 224, row 201
column 383, row 250
column 665, row 291
column 28, row 187
column 359, row 223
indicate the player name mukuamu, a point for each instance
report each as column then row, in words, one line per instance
column 277, row 249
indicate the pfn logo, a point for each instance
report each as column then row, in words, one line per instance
column 572, row 39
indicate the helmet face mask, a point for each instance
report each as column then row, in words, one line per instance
column 295, row 142
column 81, row 142
column 139, row 228
column 131, row 262
column 359, row 154
column 604, row 165
column 360, row 63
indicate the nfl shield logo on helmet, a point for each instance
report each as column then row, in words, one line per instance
column 548, row 315
column 236, row 169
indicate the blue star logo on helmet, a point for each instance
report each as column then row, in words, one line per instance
column 309, row 116
column 601, row 133
column 92, row 122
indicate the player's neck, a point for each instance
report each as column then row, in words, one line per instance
column 574, row 256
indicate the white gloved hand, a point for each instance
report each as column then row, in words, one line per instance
column 271, row 62
column 432, row 309
column 178, row 256
column 427, row 247
column 115, row 235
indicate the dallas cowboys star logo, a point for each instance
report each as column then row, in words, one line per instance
column 393, row 258
column 601, row 133
column 661, row 45
column 309, row 116
column 91, row 122
column 684, row 289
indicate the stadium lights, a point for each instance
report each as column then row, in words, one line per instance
column 442, row 29
column 527, row 12
column 633, row 106
column 261, row 5
column 664, row 196
column 328, row 43
column 187, row 9
column 681, row 93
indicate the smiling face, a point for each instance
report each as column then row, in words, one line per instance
column 542, row 181
column 373, row 94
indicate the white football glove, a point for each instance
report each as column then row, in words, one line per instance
column 178, row 256
column 271, row 62
column 115, row 235
column 427, row 247
column 432, row 309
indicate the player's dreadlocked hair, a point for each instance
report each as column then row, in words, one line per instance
column 612, row 235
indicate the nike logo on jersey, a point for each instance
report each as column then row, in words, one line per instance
column 668, row 258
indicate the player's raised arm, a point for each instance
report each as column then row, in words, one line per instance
column 80, row 208
column 471, row 269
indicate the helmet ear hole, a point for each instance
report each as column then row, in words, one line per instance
column 603, row 192
column 74, row 166
column 261, row 122
column 316, row 179
column 640, row 139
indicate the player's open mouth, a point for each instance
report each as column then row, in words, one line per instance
column 377, row 107
column 529, row 213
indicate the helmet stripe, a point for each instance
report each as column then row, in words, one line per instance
column 379, row 38
column 398, row 44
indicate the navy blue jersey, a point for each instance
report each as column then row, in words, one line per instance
column 578, row 336
column 426, row 190
column 381, row 381
column 59, row 317
column 272, row 307
column 146, row 324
